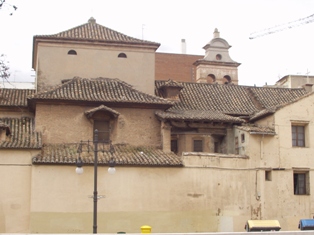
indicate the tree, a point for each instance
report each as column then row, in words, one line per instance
column 4, row 68
column 4, row 4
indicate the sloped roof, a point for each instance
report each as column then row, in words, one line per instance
column 271, row 110
column 270, row 97
column 22, row 134
column 262, row 113
column 104, row 90
column 197, row 115
column 15, row 97
column 230, row 99
column 91, row 31
column 123, row 155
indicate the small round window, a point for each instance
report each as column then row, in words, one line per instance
column 218, row 57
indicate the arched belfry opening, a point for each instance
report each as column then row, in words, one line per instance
column 227, row 79
column 211, row 78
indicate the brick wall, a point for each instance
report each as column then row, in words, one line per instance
column 178, row 67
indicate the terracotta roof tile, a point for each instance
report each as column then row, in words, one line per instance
column 230, row 99
column 15, row 97
column 22, row 134
column 105, row 90
column 92, row 31
column 270, row 97
column 261, row 114
column 198, row 115
column 123, row 155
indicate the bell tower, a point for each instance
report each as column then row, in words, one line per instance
column 217, row 67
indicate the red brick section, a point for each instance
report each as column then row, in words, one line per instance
column 178, row 67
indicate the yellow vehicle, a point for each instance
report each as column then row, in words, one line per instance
column 262, row 225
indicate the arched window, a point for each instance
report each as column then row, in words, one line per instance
column 227, row 79
column 72, row 52
column 122, row 55
column 211, row 78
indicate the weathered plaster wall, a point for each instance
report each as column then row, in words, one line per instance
column 301, row 112
column 15, row 172
column 192, row 199
column 267, row 121
column 92, row 61
column 212, row 193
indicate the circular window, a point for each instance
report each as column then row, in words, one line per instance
column 218, row 57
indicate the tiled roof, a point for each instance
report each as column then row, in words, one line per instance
column 123, row 155
column 198, row 115
column 22, row 134
column 262, row 113
column 15, row 97
column 92, row 31
column 230, row 99
column 105, row 90
column 270, row 97
column 257, row 129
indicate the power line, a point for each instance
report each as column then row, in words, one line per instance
column 282, row 27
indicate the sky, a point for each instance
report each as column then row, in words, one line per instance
column 264, row 59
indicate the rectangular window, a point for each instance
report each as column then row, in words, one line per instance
column 174, row 146
column 298, row 136
column 301, row 183
column 242, row 138
column 103, row 130
column 197, row 145
column 268, row 175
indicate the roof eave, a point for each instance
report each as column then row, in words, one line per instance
column 198, row 120
column 33, row 101
column 208, row 62
column 145, row 45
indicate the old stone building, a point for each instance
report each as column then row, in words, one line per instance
column 201, row 155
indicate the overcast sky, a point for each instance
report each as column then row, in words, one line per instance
column 263, row 59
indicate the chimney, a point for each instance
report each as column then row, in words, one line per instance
column 183, row 46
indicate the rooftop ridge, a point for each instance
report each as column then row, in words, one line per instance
column 93, row 31
column 99, row 90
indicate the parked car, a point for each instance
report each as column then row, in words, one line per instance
column 306, row 224
column 262, row 225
